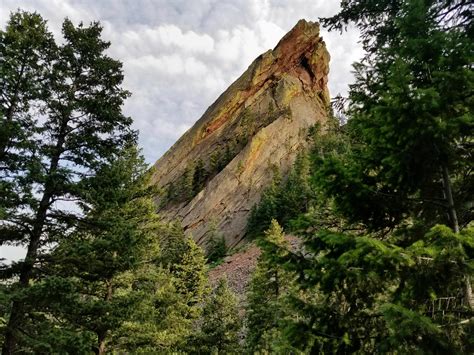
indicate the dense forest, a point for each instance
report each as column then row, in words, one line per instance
column 381, row 201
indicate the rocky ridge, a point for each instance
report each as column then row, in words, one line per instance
column 215, row 173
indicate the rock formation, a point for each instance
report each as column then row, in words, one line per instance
column 215, row 173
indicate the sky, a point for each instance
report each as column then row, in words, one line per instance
column 180, row 55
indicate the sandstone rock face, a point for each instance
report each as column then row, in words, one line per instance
column 258, row 123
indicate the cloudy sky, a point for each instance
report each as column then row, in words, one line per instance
column 179, row 55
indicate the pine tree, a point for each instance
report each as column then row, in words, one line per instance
column 83, row 274
column 284, row 200
column 172, row 243
column 229, row 154
column 353, row 292
column 170, row 302
column 191, row 277
column 214, row 161
column 24, row 44
column 411, row 113
column 411, row 108
column 267, row 209
column 184, row 185
column 268, row 287
column 399, row 281
column 216, row 247
column 297, row 193
column 221, row 323
column 186, row 263
column 200, row 176
column 81, row 127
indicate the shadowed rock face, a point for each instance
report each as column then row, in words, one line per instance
column 258, row 123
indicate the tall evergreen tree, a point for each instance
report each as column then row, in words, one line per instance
column 170, row 302
column 354, row 292
column 411, row 113
column 296, row 192
column 285, row 199
column 200, row 176
column 77, row 127
column 191, row 277
column 221, row 323
column 26, row 47
column 172, row 243
column 411, row 107
column 184, row 185
column 216, row 248
column 269, row 285
column 117, row 234
column 267, row 208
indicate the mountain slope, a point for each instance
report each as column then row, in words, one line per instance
column 216, row 171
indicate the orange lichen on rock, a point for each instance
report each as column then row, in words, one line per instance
column 291, row 55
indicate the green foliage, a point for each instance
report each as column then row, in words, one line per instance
column 172, row 243
column 297, row 191
column 48, row 153
column 82, row 275
column 111, row 285
column 267, row 209
column 195, row 177
column 355, row 292
column 191, row 276
column 157, row 323
column 221, row 157
column 102, row 272
column 410, row 112
column 286, row 200
column 200, row 176
column 216, row 247
column 283, row 200
column 170, row 297
column 24, row 44
column 221, row 323
column 265, row 296
column 184, row 186
column 214, row 161
column 379, row 271
column 250, row 122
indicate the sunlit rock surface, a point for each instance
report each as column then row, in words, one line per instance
column 261, row 121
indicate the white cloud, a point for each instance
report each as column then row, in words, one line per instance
column 9, row 252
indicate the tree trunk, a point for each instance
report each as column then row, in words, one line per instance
column 468, row 292
column 277, row 284
column 101, row 336
column 9, row 344
column 101, row 339
column 449, row 197
column 455, row 225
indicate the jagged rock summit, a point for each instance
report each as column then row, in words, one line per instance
column 215, row 173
